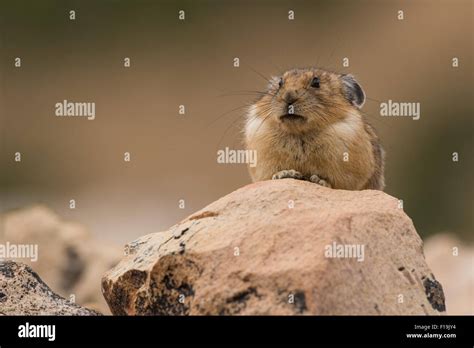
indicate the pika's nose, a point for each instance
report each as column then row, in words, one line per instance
column 290, row 97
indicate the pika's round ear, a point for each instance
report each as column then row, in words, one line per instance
column 273, row 82
column 353, row 91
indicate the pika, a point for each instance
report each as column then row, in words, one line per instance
column 308, row 126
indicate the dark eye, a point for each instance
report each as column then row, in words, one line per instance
column 280, row 83
column 315, row 82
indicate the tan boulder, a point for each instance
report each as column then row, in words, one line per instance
column 22, row 292
column 280, row 247
column 69, row 259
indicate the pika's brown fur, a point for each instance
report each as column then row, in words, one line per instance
column 308, row 126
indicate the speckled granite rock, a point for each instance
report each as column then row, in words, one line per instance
column 274, row 247
column 70, row 260
column 22, row 292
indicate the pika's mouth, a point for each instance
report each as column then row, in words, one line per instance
column 292, row 118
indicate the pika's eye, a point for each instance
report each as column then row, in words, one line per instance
column 280, row 83
column 315, row 82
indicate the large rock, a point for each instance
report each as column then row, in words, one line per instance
column 22, row 292
column 70, row 259
column 266, row 249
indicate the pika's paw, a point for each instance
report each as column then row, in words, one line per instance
column 317, row 180
column 285, row 174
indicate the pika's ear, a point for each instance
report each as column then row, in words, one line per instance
column 273, row 82
column 353, row 91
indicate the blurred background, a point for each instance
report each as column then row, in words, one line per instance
column 190, row 63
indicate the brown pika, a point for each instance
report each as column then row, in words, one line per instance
column 308, row 126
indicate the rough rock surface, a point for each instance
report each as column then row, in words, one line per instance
column 264, row 249
column 22, row 292
column 452, row 260
column 70, row 260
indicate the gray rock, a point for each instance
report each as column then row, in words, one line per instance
column 71, row 260
column 22, row 292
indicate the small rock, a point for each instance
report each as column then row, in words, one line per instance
column 452, row 260
column 22, row 292
column 70, row 259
